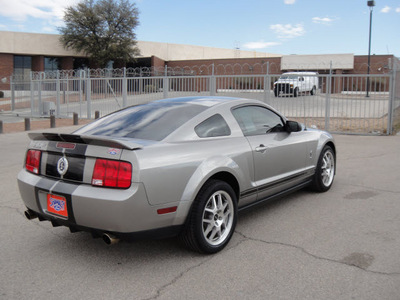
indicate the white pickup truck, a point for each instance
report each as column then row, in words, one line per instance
column 293, row 83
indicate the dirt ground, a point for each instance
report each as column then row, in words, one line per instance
column 40, row 124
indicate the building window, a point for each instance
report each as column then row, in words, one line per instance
column 52, row 64
column 22, row 66
column 81, row 63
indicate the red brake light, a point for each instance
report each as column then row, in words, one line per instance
column 32, row 163
column 112, row 173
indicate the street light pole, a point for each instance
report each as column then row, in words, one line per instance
column 371, row 5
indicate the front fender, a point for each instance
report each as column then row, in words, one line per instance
column 324, row 139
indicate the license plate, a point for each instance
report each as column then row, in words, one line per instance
column 57, row 205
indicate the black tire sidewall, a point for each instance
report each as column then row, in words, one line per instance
column 201, row 200
column 318, row 185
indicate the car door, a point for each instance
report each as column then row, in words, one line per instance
column 279, row 156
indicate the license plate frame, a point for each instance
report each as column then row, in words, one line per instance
column 57, row 205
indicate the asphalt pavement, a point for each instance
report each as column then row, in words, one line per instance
column 343, row 244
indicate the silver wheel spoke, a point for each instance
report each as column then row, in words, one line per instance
column 214, row 203
column 327, row 168
column 217, row 218
column 207, row 221
column 213, row 233
column 211, row 211
column 208, row 229
column 226, row 216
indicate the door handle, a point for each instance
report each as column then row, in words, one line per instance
column 261, row 148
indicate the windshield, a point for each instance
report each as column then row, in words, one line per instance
column 153, row 121
column 289, row 76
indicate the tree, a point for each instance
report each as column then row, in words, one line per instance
column 104, row 31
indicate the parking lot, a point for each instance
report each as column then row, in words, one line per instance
column 343, row 244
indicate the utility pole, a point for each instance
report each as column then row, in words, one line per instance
column 371, row 5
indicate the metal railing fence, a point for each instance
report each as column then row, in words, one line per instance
column 340, row 104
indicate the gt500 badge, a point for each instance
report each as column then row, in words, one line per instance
column 62, row 166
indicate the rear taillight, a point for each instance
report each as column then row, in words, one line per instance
column 112, row 173
column 32, row 163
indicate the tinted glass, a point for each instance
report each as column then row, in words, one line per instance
column 52, row 63
column 22, row 65
column 290, row 76
column 212, row 127
column 153, row 121
column 256, row 120
column 22, row 62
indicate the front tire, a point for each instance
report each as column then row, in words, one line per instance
column 313, row 91
column 325, row 172
column 212, row 220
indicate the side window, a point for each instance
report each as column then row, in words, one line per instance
column 257, row 120
column 212, row 127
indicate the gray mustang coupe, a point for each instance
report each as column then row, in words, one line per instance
column 175, row 167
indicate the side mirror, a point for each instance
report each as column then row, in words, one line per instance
column 293, row 126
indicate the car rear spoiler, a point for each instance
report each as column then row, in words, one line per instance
column 85, row 139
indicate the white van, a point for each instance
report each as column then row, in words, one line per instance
column 293, row 83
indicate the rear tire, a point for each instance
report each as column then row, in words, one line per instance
column 313, row 91
column 212, row 219
column 325, row 171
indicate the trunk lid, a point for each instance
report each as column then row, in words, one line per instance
column 72, row 157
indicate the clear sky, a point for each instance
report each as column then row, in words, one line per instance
column 273, row 26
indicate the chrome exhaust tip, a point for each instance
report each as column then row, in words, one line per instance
column 110, row 239
column 29, row 214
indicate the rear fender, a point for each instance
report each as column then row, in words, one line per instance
column 206, row 170
column 203, row 173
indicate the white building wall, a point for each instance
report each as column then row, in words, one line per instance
column 22, row 43
column 167, row 51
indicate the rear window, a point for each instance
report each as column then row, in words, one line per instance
column 153, row 121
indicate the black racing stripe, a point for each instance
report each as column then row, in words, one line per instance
column 45, row 183
column 271, row 185
column 60, row 189
column 76, row 167
column 277, row 195
column 65, row 188
column 248, row 192
column 284, row 180
column 57, row 146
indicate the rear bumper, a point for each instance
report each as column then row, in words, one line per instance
column 122, row 212
column 158, row 233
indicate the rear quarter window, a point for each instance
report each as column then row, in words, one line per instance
column 213, row 127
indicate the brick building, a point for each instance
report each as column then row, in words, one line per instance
column 21, row 53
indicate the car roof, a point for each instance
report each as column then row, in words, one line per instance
column 212, row 103
column 207, row 101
